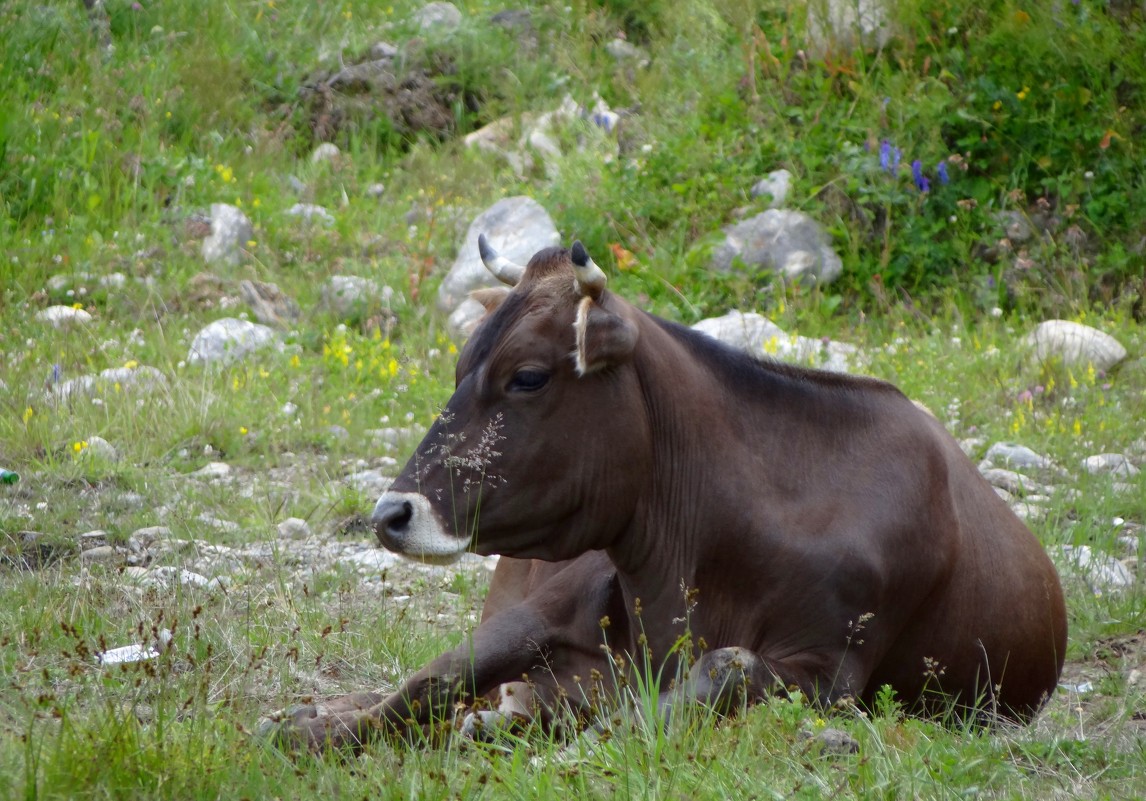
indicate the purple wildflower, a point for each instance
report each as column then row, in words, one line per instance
column 941, row 172
column 921, row 182
column 889, row 156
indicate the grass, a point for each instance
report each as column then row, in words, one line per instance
column 107, row 155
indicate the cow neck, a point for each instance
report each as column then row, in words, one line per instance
column 692, row 435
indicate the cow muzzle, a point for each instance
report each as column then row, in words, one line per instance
column 405, row 523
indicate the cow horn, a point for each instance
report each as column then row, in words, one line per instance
column 502, row 268
column 590, row 278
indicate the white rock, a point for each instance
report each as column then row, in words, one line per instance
column 229, row 340
column 100, row 448
column 351, row 294
column 309, row 212
column 142, row 379
column 465, row 318
column 776, row 185
column 1014, row 483
column 1113, row 464
column 1019, row 456
column 840, row 24
column 437, row 16
column 517, row 227
column 779, row 240
column 1100, row 571
column 327, row 151
column 760, row 337
column 63, row 316
column 230, row 232
column 369, row 482
column 294, row 528
column 1075, row 344
column 212, row 471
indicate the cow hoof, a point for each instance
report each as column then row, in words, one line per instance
column 342, row 724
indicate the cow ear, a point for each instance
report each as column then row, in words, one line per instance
column 490, row 297
column 603, row 339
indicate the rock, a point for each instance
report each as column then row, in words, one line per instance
column 149, row 535
column 1020, row 457
column 1100, row 571
column 465, row 318
column 517, row 227
column 787, row 242
column 1075, row 344
column 626, row 53
column 217, row 523
column 167, row 577
column 229, row 340
column 63, row 316
column 762, row 338
column 1112, row 464
column 1029, row 512
column 831, row 741
column 1012, row 482
column 138, row 379
column 518, row 21
column 327, row 151
column 271, row 306
column 369, row 482
column 776, row 186
column 294, row 528
column 839, row 25
column 309, row 212
column 349, row 296
column 519, row 139
column 213, row 471
column 100, row 448
column 230, row 232
column 437, row 17
column 100, row 554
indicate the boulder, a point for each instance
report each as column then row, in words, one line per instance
column 786, row 242
column 1075, row 345
column 517, row 227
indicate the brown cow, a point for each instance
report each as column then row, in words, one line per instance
column 805, row 529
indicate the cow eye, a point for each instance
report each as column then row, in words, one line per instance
column 528, row 381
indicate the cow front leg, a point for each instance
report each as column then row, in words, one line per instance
column 500, row 650
column 728, row 679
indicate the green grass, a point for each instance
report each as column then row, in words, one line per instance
column 105, row 156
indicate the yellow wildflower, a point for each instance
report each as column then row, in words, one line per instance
column 28, row 415
column 80, row 446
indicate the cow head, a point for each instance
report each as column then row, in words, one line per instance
column 542, row 450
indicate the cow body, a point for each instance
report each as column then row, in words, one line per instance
column 803, row 529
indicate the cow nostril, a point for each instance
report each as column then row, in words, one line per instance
column 393, row 517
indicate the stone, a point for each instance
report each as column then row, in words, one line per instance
column 839, row 25
column 63, row 316
column 230, row 232
column 465, row 318
column 327, row 151
column 212, row 471
column 1019, row 456
column 517, row 227
column 760, row 337
column 294, row 528
column 626, row 52
column 437, row 17
column 352, row 295
column 369, row 482
column 831, row 741
column 311, row 213
column 270, row 305
column 775, row 186
column 1100, row 571
column 1012, row 482
column 789, row 243
column 138, row 379
column 229, row 340
column 100, row 554
column 1111, row 464
column 1075, row 345
column 100, row 448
